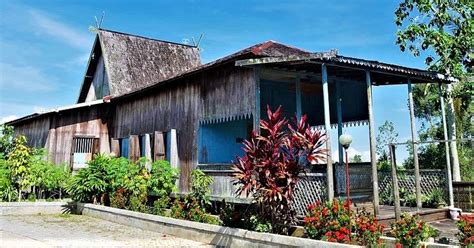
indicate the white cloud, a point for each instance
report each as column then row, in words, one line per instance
column 26, row 78
column 60, row 31
column 8, row 118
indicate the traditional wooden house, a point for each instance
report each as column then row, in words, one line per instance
column 152, row 98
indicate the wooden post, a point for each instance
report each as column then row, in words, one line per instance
column 339, row 122
column 373, row 157
column 256, row 117
column 396, row 191
column 147, row 151
column 327, row 124
column 174, row 158
column 115, row 147
column 449, row 178
column 134, row 148
column 298, row 97
column 415, row 145
column 159, row 146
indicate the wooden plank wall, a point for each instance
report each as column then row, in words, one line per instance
column 224, row 91
column 55, row 131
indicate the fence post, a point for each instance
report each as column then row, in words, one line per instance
column 396, row 193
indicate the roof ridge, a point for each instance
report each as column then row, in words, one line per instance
column 147, row 38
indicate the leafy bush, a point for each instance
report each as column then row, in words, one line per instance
column 160, row 205
column 125, row 182
column 193, row 206
column 329, row 221
column 8, row 192
column 272, row 164
column 367, row 230
column 163, row 178
column 46, row 178
column 335, row 222
column 410, row 231
column 466, row 230
column 200, row 187
column 91, row 183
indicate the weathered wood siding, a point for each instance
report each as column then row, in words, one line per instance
column 35, row 130
column 56, row 131
column 224, row 91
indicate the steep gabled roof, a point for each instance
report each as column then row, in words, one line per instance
column 134, row 62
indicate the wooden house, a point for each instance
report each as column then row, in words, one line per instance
column 152, row 98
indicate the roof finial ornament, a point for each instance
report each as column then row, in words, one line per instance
column 98, row 23
column 194, row 44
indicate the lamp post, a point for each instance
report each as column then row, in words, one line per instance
column 345, row 140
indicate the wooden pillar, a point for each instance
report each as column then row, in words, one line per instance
column 134, row 148
column 449, row 178
column 159, row 146
column 339, row 122
column 256, row 117
column 298, row 97
column 174, row 158
column 373, row 157
column 115, row 147
column 396, row 191
column 148, row 151
column 414, row 146
column 327, row 124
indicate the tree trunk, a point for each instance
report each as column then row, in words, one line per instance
column 452, row 135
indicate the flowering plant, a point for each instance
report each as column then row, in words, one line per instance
column 466, row 230
column 367, row 230
column 329, row 221
column 410, row 231
column 335, row 222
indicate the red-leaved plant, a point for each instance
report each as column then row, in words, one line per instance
column 273, row 163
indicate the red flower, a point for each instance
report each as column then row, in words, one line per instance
column 328, row 234
column 398, row 245
column 311, row 207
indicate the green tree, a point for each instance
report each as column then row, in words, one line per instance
column 442, row 31
column 19, row 161
column 6, row 139
column 357, row 158
column 386, row 135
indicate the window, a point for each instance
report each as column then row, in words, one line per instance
column 83, row 148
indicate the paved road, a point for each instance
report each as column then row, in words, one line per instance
column 80, row 231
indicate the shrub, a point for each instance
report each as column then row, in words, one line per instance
column 8, row 192
column 329, row 221
column 367, row 230
column 163, row 178
column 335, row 222
column 272, row 164
column 466, row 230
column 200, row 187
column 193, row 206
column 160, row 205
column 410, row 231
column 46, row 178
column 90, row 183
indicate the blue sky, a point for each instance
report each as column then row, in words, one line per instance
column 44, row 45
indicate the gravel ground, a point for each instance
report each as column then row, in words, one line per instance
column 80, row 231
